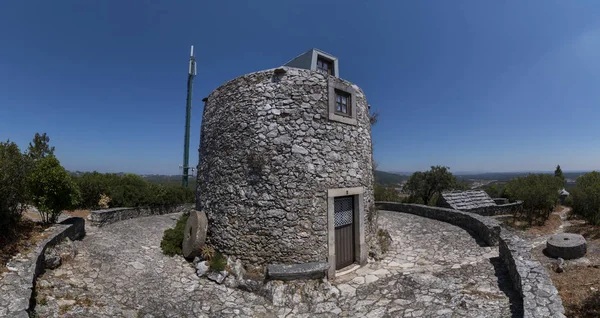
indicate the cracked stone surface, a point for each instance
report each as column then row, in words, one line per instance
column 433, row 269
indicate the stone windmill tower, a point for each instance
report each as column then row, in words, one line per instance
column 285, row 173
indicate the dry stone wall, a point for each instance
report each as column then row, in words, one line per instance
column 268, row 155
column 108, row 216
column 528, row 276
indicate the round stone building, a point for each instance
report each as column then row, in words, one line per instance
column 285, row 173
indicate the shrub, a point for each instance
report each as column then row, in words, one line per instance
column 586, row 197
column 207, row 252
column 539, row 193
column 218, row 262
column 12, row 186
column 52, row 189
column 104, row 201
column 386, row 193
column 129, row 191
column 172, row 240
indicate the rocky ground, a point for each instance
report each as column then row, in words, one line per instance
column 433, row 269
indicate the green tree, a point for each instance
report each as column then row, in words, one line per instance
column 52, row 188
column 386, row 193
column 39, row 148
column 424, row 187
column 586, row 197
column 539, row 193
column 13, row 187
column 559, row 174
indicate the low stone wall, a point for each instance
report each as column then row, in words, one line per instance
column 485, row 228
column 108, row 216
column 16, row 286
column 529, row 278
column 500, row 209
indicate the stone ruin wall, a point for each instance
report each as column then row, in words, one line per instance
column 268, row 155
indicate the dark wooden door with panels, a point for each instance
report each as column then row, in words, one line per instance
column 344, row 231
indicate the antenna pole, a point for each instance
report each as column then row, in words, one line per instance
column 188, row 115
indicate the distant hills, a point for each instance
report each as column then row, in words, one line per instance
column 388, row 178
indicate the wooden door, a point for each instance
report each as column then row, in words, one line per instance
column 344, row 231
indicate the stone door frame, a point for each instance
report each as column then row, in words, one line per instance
column 360, row 250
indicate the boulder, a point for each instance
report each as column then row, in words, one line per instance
column 194, row 235
column 218, row 277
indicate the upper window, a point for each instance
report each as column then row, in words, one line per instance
column 324, row 66
column 342, row 103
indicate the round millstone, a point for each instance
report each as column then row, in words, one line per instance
column 194, row 235
column 566, row 245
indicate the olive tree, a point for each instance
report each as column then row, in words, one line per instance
column 539, row 193
column 51, row 188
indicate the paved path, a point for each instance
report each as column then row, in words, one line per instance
column 434, row 269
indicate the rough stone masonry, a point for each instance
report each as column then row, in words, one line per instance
column 268, row 155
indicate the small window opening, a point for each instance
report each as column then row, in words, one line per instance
column 342, row 103
column 324, row 66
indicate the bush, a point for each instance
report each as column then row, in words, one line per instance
column 386, row 193
column 218, row 263
column 539, row 193
column 52, row 189
column 172, row 240
column 12, row 186
column 586, row 197
column 129, row 190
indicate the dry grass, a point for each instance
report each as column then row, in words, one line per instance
column 28, row 233
column 78, row 213
column 579, row 289
column 550, row 226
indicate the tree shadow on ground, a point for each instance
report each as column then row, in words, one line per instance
column 505, row 285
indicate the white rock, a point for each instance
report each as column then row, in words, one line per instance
column 201, row 268
column 371, row 278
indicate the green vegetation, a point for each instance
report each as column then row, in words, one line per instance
column 13, row 188
column 559, row 174
column 218, row 262
column 586, row 197
column 128, row 190
column 51, row 188
column 539, row 193
column 495, row 189
column 172, row 240
column 426, row 187
column 386, row 193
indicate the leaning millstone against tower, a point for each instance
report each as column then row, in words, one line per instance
column 194, row 235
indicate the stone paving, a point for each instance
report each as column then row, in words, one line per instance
column 433, row 269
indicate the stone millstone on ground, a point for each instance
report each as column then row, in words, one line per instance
column 194, row 234
column 566, row 246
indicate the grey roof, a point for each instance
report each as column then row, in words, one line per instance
column 467, row 200
column 563, row 192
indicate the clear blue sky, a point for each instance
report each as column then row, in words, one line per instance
column 475, row 85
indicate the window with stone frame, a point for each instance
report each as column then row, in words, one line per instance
column 343, row 104
column 341, row 101
column 324, row 66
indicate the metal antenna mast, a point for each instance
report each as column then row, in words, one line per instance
column 188, row 115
